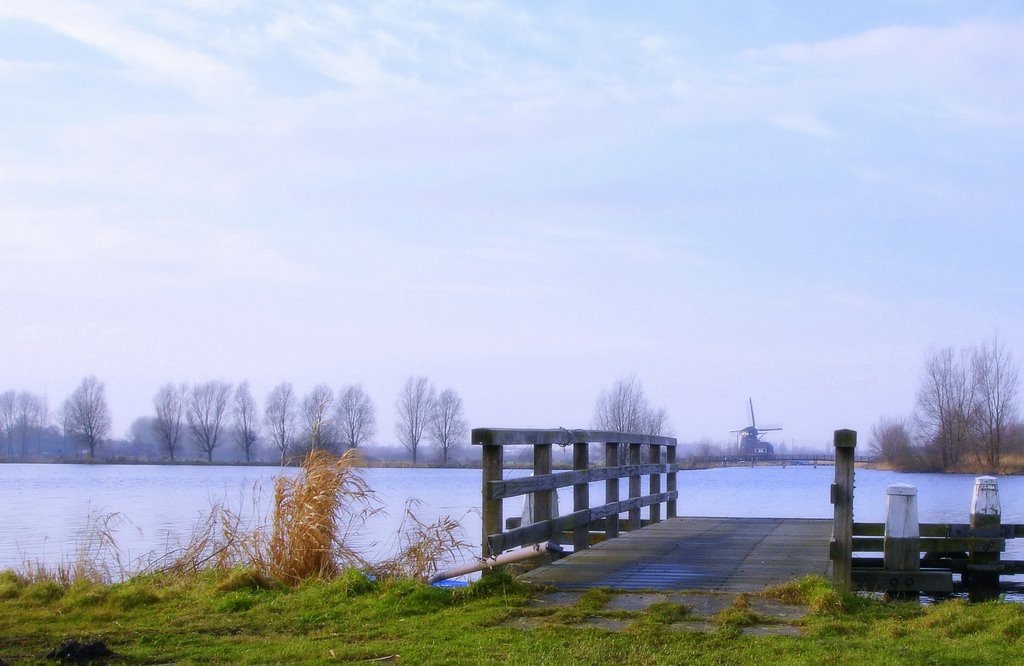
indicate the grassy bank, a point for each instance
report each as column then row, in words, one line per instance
column 239, row 617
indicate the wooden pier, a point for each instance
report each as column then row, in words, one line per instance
column 616, row 545
column 714, row 554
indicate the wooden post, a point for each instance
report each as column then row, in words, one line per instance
column 902, row 543
column 845, row 442
column 634, row 487
column 490, row 509
column 986, row 518
column 542, row 500
column 611, row 489
column 655, row 483
column 580, row 495
column 670, row 483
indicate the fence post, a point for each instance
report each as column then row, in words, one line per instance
column 611, row 489
column 845, row 442
column 655, row 484
column 490, row 509
column 986, row 518
column 902, row 544
column 670, row 483
column 581, row 496
column 542, row 500
column 634, row 487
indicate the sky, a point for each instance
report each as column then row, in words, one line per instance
column 792, row 202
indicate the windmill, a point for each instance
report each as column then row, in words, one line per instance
column 750, row 443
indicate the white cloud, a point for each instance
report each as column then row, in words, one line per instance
column 965, row 72
column 804, row 124
column 147, row 56
column 15, row 70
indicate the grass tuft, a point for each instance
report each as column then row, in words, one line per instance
column 667, row 612
column 247, row 579
column 740, row 615
column 812, row 591
column 128, row 597
column 10, row 584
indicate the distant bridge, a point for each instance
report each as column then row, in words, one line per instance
column 778, row 459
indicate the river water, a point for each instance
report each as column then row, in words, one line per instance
column 44, row 508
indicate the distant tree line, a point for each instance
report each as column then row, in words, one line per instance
column 217, row 420
column 967, row 414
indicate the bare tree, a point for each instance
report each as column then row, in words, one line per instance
column 87, row 414
column 996, row 375
column 207, row 405
column 279, row 415
column 447, row 425
column 656, row 422
column 706, row 448
column 355, row 416
column 141, row 442
column 8, row 418
column 413, row 407
column 946, row 406
column 170, row 402
column 316, row 411
column 246, row 420
column 891, row 441
column 624, row 408
column 30, row 418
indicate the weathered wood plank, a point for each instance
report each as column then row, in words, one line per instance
column 532, row 484
column 491, row 509
column 582, row 519
column 634, row 485
column 581, row 495
column 723, row 554
column 654, row 484
column 922, row 580
column 935, row 545
column 532, row 437
column 671, row 510
column 845, row 442
column 611, row 487
column 1006, row 531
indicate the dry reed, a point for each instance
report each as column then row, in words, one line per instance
column 97, row 558
column 422, row 548
column 315, row 514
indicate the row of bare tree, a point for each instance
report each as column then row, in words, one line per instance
column 293, row 425
column 967, row 413
column 210, row 415
column 25, row 419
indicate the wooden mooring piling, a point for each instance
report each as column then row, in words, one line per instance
column 613, row 546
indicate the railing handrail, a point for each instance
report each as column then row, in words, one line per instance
column 561, row 436
column 544, row 482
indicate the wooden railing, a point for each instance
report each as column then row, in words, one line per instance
column 917, row 557
column 543, row 483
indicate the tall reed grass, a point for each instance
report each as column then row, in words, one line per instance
column 313, row 520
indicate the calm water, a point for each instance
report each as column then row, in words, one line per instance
column 44, row 507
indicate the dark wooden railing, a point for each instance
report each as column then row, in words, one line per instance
column 926, row 557
column 543, row 482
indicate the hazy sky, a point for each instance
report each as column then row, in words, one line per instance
column 789, row 201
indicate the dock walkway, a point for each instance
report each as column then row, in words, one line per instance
column 687, row 553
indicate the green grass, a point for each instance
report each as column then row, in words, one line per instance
column 239, row 617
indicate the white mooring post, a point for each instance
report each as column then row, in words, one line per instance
column 986, row 518
column 985, row 510
column 902, row 531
